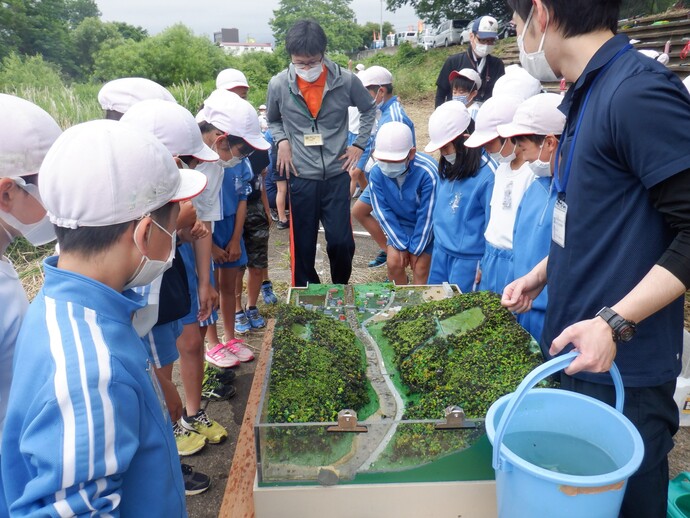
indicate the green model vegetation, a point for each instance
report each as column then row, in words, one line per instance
column 485, row 356
column 318, row 369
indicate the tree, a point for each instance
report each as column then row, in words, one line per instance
column 335, row 16
column 367, row 31
column 78, row 10
column 130, row 32
column 436, row 11
column 173, row 56
column 88, row 38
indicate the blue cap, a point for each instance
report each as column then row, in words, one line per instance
column 485, row 27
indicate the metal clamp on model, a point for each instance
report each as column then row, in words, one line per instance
column 347, row 422
column 455, row 419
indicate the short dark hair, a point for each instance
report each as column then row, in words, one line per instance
column 465, row 84
column 306, row 38
column 113, row 115
column 576, row 17
column 90, row 241
column 375, row 88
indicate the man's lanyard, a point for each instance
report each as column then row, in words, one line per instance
column 303, row 106
column 562, row 181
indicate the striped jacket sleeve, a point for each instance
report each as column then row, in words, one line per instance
column 397, row 238
column 81, row 431
column 423, row 231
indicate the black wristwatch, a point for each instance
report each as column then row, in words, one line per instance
column 623, row 330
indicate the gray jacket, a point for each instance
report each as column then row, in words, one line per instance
column 289, row 118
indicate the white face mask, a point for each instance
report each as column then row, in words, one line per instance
column 482, row 50
column 150, row 269
column 498, row 156
column 234, row 161
column 538, row 166
column 37, row 233
column 451, row 158
column 393, row 169
column 309, row 75
column 464, row 99
column 535, row 63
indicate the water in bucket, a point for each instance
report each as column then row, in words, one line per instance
column 560, row 453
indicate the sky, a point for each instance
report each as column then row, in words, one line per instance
column 205, row 17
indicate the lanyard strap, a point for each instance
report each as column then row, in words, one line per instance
column 562, row 184
column 303, row 107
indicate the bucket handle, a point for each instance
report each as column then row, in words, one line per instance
column 543, row 371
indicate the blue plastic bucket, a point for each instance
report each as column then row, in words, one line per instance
column 560, row 423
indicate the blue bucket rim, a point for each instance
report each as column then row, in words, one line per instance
column 622, row 473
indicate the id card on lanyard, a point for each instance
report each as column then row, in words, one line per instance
column 560, row 211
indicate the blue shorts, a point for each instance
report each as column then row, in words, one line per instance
column 365, row 197
column 496, row 267
column 222, row 233
column 450, row 268
column 189, row 259
column 161, row 343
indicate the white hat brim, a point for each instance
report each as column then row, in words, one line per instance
column 479, row 138
column 435, row 146
column 206, row 154
column 390, row 156
column 257, row 142
column 232, row 84
column 513, row 130
column 192, row 183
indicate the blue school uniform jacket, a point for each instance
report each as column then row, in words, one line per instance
column 391, row 111
column 87, row 430
column 405, row 211
column 462, row 211
column 532, row 232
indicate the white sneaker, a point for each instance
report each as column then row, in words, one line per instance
column 237, row 348
column 222, row 357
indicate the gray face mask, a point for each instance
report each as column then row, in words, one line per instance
column 393, row 169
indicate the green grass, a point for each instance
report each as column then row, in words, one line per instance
column 462, row 322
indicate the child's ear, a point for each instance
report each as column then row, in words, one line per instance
column 7, row 193
column 142, row 233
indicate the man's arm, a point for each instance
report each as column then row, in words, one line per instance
column 442, row 83
column 273, row 111
column 665, row 282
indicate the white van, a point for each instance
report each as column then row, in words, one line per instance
column 450, row 32
column 410, row 36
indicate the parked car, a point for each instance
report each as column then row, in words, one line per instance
column 506, row 29
column 449, row 32
column 465, row 35
column 426, row 39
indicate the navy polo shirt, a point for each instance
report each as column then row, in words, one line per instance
column 635, row 134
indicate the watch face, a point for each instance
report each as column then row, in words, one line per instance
column 627, row 333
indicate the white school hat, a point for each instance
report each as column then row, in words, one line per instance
column 375, row 76
column 538, row 115
column 485, row 27
column 516, row 82
column 494, row 111
column 103, row 172
column 121, row 94
column 467, row 73
column 393, row 142
column 262, row 107
column 447, row 122
column 233, row 115
column 173, row 125
column 26, row 135
column 360, row 67
column 231, row 78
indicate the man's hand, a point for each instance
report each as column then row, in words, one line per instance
column 593, row 339
column 351, row 157
column 519, row 294
column 284, row 159
column 208, row 301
